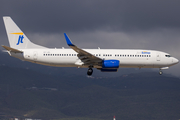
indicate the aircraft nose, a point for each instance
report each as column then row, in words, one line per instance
column 175, row 61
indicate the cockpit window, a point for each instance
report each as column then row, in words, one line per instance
column 168, row 55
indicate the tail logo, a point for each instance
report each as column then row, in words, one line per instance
column 20, row 39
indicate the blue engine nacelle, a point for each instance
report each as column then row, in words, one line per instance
column 113, row 64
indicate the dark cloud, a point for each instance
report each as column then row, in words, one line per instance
column 143, row 24
column 83, row 15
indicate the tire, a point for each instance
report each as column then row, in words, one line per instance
column 90, row 71
column 160, row 72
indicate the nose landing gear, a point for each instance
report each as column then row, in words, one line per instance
column 160, row 72
column 163, row 68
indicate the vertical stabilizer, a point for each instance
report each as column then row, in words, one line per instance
column 17, row 39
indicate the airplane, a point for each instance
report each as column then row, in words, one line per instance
column 105, row 60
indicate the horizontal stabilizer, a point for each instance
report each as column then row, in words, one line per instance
column 12, row 49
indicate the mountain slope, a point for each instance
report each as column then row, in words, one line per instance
column 26, row 93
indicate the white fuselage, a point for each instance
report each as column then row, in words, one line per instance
column 106, row 60
column 127, row 57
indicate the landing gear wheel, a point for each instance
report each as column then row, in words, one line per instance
column 160, row 72
column 90, row 71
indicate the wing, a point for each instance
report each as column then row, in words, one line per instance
column 86, row 57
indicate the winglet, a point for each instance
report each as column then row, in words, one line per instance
column 68, row 40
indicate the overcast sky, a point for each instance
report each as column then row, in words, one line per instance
column 143, row 24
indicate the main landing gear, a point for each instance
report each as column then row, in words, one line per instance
column 90, row 71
